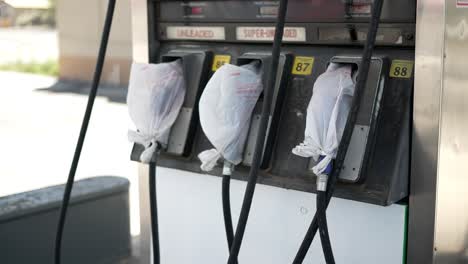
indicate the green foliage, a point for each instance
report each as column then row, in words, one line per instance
column 45, row 68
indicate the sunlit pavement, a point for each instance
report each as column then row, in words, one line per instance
column 28, row 45
column 39, row 129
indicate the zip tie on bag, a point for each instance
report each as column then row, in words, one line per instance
column 209, row 159
column 306, row 150
column 149, row 142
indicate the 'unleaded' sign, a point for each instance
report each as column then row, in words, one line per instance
column 462, row 3
column 202, row 33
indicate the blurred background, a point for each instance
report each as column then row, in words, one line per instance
column 48, row 51
column 60, row 38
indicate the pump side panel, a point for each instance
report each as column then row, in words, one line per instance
column 451, row 214
column 425, row 137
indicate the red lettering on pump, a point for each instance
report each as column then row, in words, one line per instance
column 268, row 33
column 189, row 32
column 259, row 33
column 290, row 33
column 195, row 33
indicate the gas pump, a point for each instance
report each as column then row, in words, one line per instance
column 375, row 167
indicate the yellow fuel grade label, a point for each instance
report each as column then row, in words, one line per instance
column 401, row 69
column 303, row 65
column 220, row 60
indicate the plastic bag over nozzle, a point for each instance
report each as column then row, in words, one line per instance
column 155, row 96
column 226, row 107
column 326, row 116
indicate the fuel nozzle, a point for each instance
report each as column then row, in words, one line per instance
column 228, row 168
column 155, row 96
column 322, row 178
column 326, row 119
column 226, row 107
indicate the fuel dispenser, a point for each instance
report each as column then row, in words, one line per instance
column 375, row 168
column 202, row 36
column 377, row 162
column 376, row 165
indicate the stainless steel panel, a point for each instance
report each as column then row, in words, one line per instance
column 425, row 141
column 251, row 139
column 451, row 229
column 141, row 54
column 353, row 160
column 180, row 132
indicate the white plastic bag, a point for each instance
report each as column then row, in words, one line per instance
column 327, row 114
column 226, row 107
column 155, row 95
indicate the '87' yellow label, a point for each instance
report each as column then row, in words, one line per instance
column 303, row 65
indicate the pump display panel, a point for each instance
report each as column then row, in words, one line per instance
column 298, row 11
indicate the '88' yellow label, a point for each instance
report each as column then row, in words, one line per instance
column 401, row 69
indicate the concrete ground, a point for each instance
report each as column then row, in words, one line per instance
column 40, row 120
column 28, row 45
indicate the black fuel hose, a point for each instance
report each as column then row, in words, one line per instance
column 351, row 120
column 84, row 128
column 154, row 212
column 323, row 227
column 259, row 145
column 225, row 193
column 226, row 201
